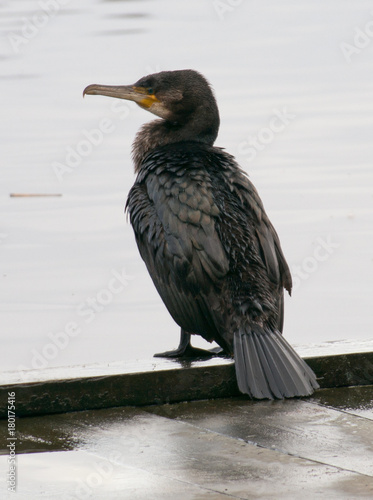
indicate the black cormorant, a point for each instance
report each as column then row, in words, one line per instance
column 204, row 235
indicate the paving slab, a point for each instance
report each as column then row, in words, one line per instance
column 82, row 475
column 354, row 400
column 227, row 448
column 301, row 428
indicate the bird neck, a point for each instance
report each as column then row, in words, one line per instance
column 161, row 132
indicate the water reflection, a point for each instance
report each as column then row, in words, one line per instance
column 355, row 400
column 120, row 32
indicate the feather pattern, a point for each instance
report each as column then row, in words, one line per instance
column 268, row 367
column 217, row 262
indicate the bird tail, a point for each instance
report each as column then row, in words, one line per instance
column 267, row 367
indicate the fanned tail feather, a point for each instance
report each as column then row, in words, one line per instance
column 267, row 367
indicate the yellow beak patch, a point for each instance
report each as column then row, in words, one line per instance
column 148, row 101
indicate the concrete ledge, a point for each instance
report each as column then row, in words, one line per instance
column 146, row 383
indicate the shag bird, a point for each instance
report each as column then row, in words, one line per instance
column 205, row 238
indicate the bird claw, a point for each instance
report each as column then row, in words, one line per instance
column 190, row 352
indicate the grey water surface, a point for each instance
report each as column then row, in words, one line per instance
column 294, row 86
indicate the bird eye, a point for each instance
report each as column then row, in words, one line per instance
column 150, row 90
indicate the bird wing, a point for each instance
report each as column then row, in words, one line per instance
column 206, row 240
column 267, row 237
column 173, row 215
column 258, row 268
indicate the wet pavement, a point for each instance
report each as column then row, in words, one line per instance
column 319, row 447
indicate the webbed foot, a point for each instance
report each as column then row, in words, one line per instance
column 187, row 351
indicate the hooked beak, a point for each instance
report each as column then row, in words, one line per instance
column 128, row 92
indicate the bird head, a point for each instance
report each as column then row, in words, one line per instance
column 180, row 97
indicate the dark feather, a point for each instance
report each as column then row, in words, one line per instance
column 196, row 231
column 268, row 367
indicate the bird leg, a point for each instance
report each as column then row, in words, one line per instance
column 186, row 350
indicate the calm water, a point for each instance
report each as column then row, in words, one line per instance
column 294, row 86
